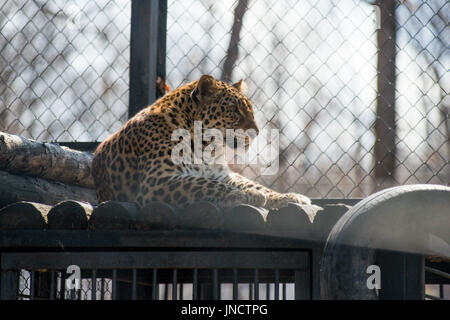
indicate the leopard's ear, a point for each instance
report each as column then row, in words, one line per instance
column 240, row 86
column 206, row 86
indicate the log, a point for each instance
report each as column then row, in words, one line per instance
column 114, row 215
column 15, row 188
column 157, row 215
column 326, row 219
column 70, row 214
column 245, row 218
column 45, row 160
column 24, row 215
column 291, row 221
column 201, row 215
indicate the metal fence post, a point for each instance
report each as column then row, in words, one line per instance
column 147, row 52
column 8, row 282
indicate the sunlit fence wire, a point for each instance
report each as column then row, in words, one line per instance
column 310, row 66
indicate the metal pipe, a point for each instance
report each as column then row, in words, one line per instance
column 114, row 284
column 94, row 285
column 235, row 284
column 133, row 285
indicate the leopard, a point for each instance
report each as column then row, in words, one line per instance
column 135, row 164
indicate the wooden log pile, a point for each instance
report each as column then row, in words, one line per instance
column 291, row 221
column 43, row 172
column 46, row 160
column 45, row 186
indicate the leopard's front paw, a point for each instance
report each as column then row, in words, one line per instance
column 297, row 198
column 280, row 200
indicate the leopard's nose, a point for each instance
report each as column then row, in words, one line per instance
column 255, row 131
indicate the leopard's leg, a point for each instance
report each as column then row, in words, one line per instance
column 275, row 199
column 182, row 190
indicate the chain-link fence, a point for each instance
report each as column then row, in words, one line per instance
column 355, row 112
column 64, row 68
column 311, row 69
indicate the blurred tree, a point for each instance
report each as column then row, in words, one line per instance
column 279, row 79
column 434, row 51
column 233, row 47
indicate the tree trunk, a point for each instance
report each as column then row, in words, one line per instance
column 232, row 52
column 385, row 127
column 45, row 160
column 14, row 188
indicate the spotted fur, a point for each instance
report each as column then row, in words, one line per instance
column 135, row 163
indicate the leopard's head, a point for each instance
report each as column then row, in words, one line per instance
column 224, row 106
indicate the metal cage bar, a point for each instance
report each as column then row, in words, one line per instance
column 142, row 264
column 147, row 51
